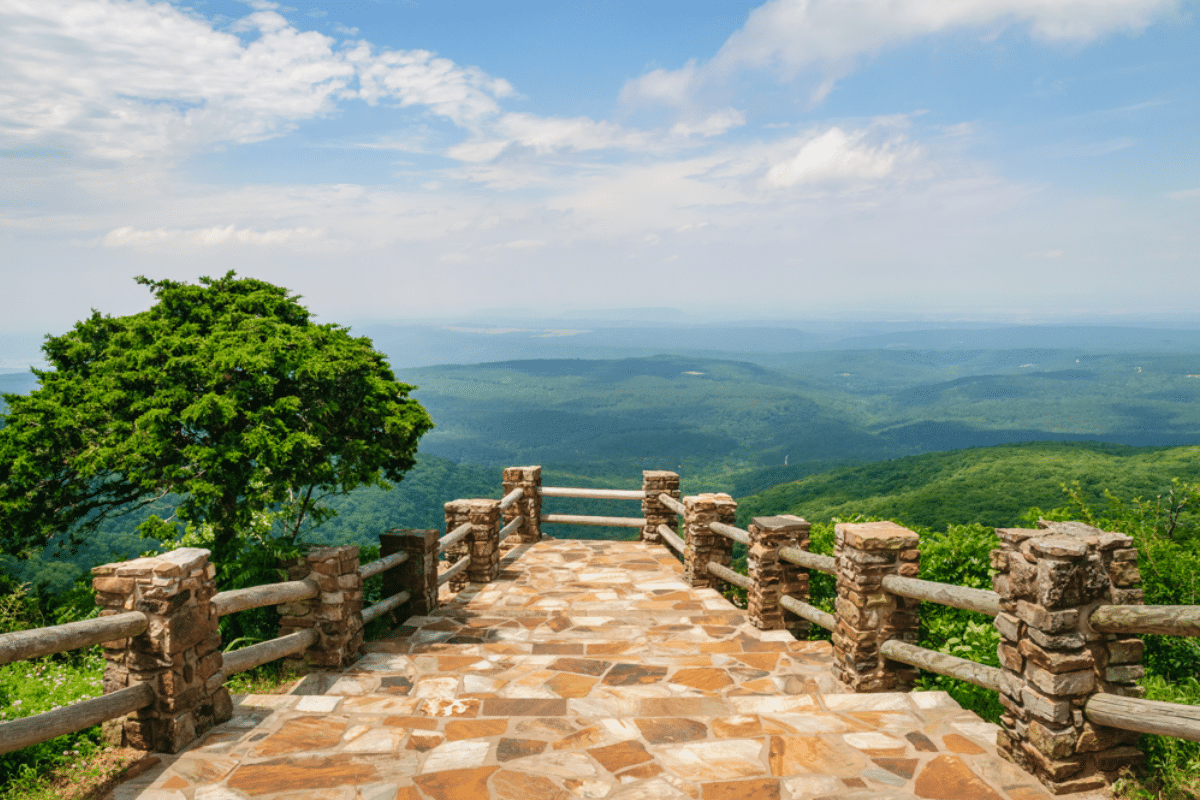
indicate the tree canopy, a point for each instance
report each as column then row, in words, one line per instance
column 225, row 394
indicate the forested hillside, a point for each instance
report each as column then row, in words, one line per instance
column 993, row 486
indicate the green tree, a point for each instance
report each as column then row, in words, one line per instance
column 225, row 395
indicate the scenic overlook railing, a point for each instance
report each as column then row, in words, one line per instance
column 1066, row 604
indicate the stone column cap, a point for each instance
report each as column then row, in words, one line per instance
column 659, row 473
column 882, row 535
column 423, row 533
column 781, row 522
column 171, row 564
column 709, row 501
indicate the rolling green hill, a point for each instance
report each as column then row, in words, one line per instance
column 993, row 486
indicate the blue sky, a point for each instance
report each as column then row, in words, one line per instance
column 388, row 159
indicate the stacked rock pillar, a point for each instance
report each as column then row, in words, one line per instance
column 530, row 504
column 481, row 545
column 335, row 613
column 703, row 544
column 417, row 575
column 179, row 654
column 774, row 577
column 654, row 483
column 868, row 616
column 1049, row 581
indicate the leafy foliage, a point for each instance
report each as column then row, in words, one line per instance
column 224, row 394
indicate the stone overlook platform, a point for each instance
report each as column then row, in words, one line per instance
column 589, row 669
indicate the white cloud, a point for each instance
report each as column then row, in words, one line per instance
column 787, row 36
column 130, row 79
column 839, row 156
column 128, row 236
column 713, row 125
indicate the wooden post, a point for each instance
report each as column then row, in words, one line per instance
column 179, row 654
column 773, row 577
column 654, row 483
column 417, row 575
column 867, row 616
column 530, row 504
column 335, row 613
column 703, row 545
column 1053, row 661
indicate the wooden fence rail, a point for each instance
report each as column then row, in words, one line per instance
column 458, row 567
column 1144, row 716
column 39, row 642
column 270, row 594
column 1169, row 620
column 943, row 664
column 808, row 560
column 256, row 655
column 730, row 532
column 671, row 538
column 27, row 731
column 964, row 597
column 382, row 565
column 512, row 497
column 593, row 494
column 579, row 519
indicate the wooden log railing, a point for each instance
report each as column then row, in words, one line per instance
column 730, row 532
column 453, row 537
column 808, row 560
column 20, row 733
column 514, row 524
column 270, row 594
column 40, row 642
column 982, row 601
column 512, row 497
column 458, row 567
column 580, row 519
column 1166, row 620
column 1144, row 716
column 672, row 539
column 593, row 494
column 256, row 655
column 673, row 504
column 381, row 565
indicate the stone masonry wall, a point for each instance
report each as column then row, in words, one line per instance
column 1049, row 580
column 179, row 654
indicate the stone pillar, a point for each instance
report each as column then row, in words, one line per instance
column 703, row 545
column 867, row 616
column 773, row 577
column 458, row 512
column 1052, row 661
column 481, row 545
column 417, row 575
column 530, row 505
column 335, row 613
column 179, row 655
column 654, row 483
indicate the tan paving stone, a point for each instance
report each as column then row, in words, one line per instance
column 949, row 778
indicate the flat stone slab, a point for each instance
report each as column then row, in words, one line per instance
column 589, row 670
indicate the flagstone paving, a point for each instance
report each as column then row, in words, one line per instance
column 589, row 670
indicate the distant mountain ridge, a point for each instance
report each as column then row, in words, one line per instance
column 993, row 486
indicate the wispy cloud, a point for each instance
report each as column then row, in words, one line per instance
column 827, row 36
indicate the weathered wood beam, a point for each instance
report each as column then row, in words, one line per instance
column 672, row 503
column 671, row 538
column 1144, row 716
column 808, row 560
column 259, row 654
column 42, row 727
column 453, row 537
column 458, row 567
column 729, row 576
column 383, row 606
column 382, row 564
column 942, row 664
column 578, row 519
column 1169, row 620
column 981, row 600
column 512, row 497
column 730, row 532
column 71, row 636
column 515, row 523
column 809, row 612
column 271, row 594
column 594, row 494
